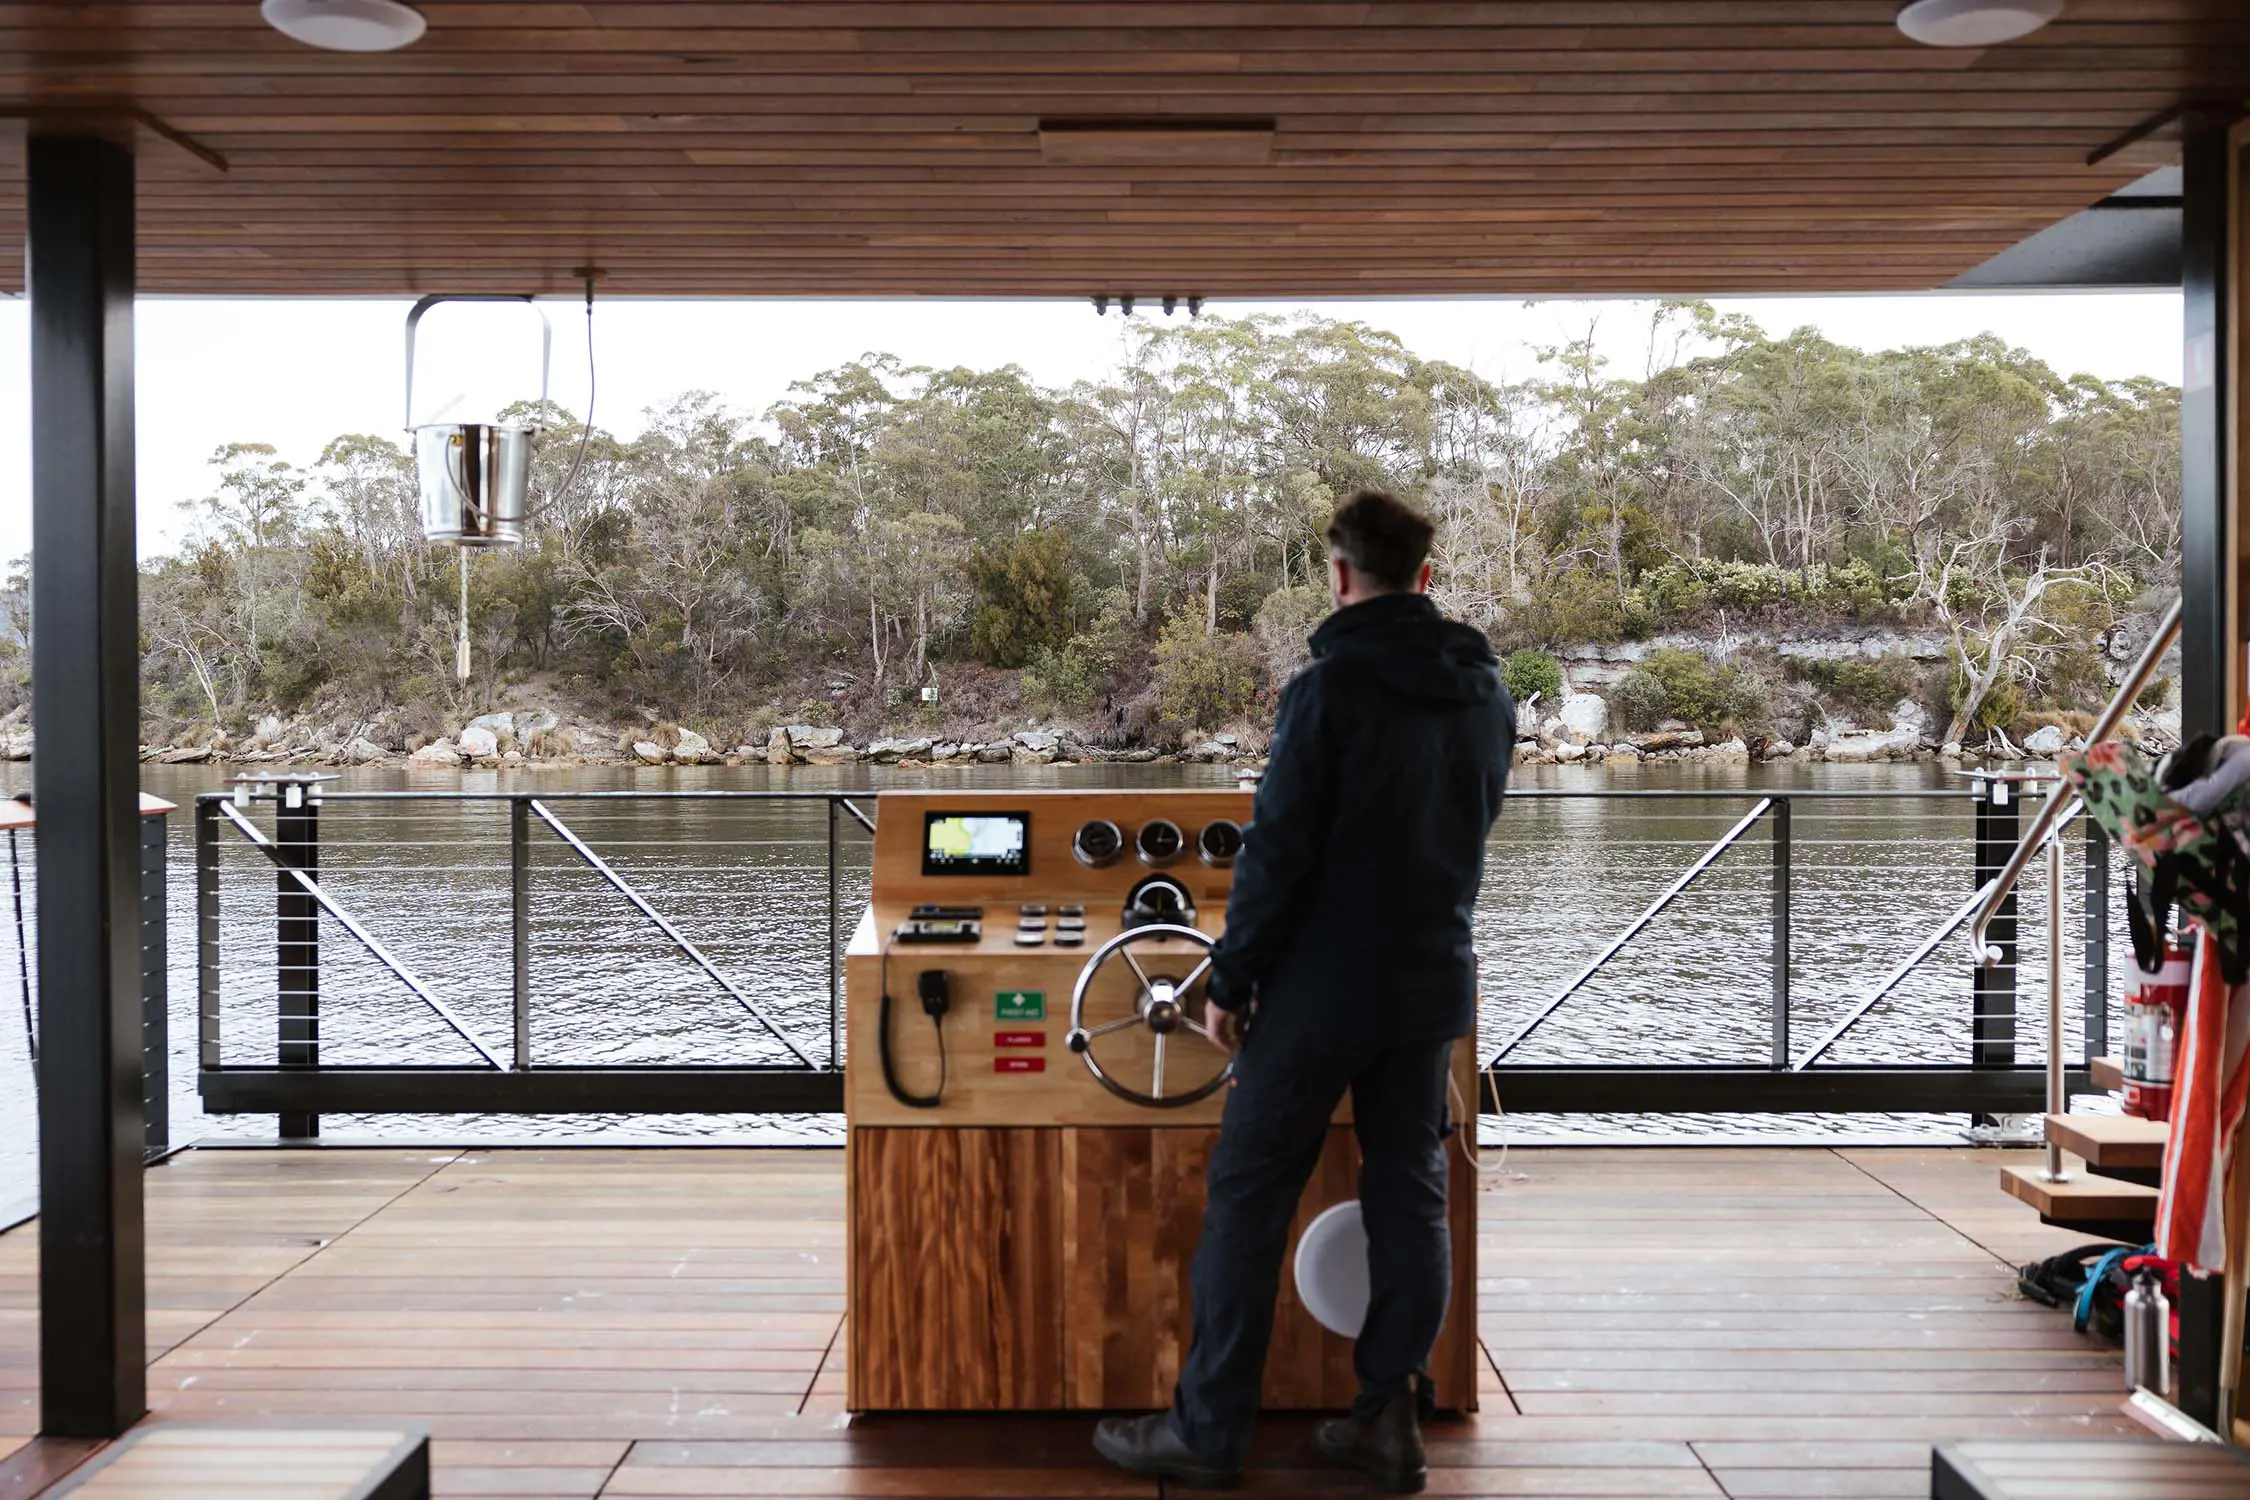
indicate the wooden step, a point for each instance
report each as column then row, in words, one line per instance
column 2086, row 1202
column 311, row 1461
column 2105, row 1072
column 2111, row 1142
column 2140, row 1468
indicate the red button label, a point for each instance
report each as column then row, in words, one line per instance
column 1019, row 1065
column 1019, row 1039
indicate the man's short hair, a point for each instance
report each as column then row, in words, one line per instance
column 1382, row 537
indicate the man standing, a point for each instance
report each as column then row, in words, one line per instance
column 1348, row 939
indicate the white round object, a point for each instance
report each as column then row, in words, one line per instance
column 1975, row 23
column 1332, row 1269
column 346, row 25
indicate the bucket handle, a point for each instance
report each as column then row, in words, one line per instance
column 546, row 335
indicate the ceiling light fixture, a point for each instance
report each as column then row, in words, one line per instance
column 346, row 25
column 1975, row 23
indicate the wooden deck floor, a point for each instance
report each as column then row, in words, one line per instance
column 1693, row 1323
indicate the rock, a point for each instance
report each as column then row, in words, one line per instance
column 1026, row 755
column 1622, row 755
column 648, row 752
column 1568, row 752
column 994, row 754
column 811, row 737
column 1951, row 749
column 1730, row 750
column 480, row 740
column 439, row 753
column 1550, row 730
column 512, row 758
column 945, row 750
column 186, row 755
column 1779, row 750
column 269, row 728
column 495, row 725
column 1585, row 718
column 1907, row 714
column 2046, row 741
column 693, row 749
column 1228, row 740
column 777, row 747
column 535, row 721
column 891, row 752
column 1865, row 745
column 1038, row 739
column 1209, row 752
column 363, row 752
column 1675, row 738
column 832, row 755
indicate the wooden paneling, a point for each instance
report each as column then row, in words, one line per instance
column 894, row 145
column 955, row 1261
column 1055, row 875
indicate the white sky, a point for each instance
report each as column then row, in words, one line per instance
column 295, row 374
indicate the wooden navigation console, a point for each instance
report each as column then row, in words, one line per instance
column 1020, row 1237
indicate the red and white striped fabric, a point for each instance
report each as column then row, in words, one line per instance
column 2210, row 1085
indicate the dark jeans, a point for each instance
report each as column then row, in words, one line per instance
column 1285, row 1092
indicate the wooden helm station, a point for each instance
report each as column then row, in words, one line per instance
column 1020, row 1237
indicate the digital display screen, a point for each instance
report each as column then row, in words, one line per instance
column 976, row 843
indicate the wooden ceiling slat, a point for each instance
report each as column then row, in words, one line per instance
column 890, row 146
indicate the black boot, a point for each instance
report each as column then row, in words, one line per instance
column 1150, row 1446
column 1387, row 1448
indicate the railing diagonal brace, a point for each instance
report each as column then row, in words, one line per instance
column 1633, row 929
column 367, row 939
column 679, row 938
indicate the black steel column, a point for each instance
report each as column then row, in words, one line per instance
column 296, row 836
column 1992, row 1005
column 1779, row 1018
column 86, row 708
column 2206, row 395
column 2096, row 943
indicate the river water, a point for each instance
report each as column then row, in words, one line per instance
column 1871, row 875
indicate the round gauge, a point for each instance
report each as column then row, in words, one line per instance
column 1219, row 842
column 1098, row 842
column 1159, row 842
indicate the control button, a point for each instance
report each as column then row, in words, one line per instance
column 1019, row 1065
column 1030, row 924
column 1071, row 937
column 1070, row 924
column 1070, row 909
column 1019, row 1039
column 1031, row 909
column 1032, row 938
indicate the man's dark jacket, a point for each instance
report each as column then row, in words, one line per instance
column 1356, row 888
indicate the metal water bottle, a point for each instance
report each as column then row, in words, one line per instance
column 2148, row 1334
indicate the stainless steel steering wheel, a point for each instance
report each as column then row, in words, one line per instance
column 1160, row 1006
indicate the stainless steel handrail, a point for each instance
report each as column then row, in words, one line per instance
column 2046, row 830
column 2051, row 815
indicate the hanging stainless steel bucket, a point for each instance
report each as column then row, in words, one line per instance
column 474, row 480
column 474, row 476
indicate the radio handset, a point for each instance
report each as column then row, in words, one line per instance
column 936, row 995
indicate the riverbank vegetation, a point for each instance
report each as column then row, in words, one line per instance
column 1138, row 557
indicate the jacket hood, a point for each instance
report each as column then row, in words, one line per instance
column 1416, row 652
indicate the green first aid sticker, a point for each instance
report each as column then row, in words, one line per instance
column 1020, row 1005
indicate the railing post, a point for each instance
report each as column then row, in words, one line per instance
column 1781, row 852
column 297, row 943
column 2058, row 1098
column 835, row 980
column 2097, row 942
column 519, row 911
column 1992, row 1005
column 156, row 994
column 208, row 1052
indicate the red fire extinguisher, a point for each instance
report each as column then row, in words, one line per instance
column 2152, row 1011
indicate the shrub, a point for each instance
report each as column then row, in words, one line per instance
column 1677, row 684
column 1528, row 673
column 1283, row 621
column 1861, row 689
column 1204, row 677
column 1580, row 605
column 1063, row 683
column 1023, row 598
column 2156, row 695
column 1638, row 702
